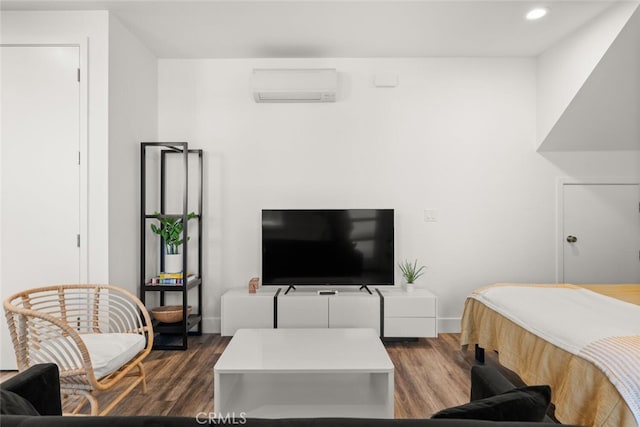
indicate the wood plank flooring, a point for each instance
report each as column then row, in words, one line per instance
column 430, row 374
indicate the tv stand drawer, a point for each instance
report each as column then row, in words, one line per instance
column 410, row 314
column 409, row 305
column 409, row 327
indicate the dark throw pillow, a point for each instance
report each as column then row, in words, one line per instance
column 14, row 404
column 520, row 404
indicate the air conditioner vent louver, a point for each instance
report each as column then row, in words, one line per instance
column 289, row 96
column 295, row 85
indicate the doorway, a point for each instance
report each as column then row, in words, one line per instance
column 600, row 233
column 40, row 198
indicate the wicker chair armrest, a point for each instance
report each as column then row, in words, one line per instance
column 47, row 339
column 133, row 315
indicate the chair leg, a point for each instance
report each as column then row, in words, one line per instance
column 87, row 396
column 73, row 401
column 143, row 377
column 78, row 407
column 121, row 396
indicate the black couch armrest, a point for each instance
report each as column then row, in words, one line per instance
column 40, row 385
column 486, row 381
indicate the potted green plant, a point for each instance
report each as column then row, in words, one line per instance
column 171, row 232
column 411, row 272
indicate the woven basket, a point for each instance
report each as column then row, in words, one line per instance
column 169, row 313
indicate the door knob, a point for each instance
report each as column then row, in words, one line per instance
column 572, row 239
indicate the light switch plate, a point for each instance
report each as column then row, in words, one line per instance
column 430, row 215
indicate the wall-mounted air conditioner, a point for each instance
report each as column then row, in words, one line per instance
column 295, row 85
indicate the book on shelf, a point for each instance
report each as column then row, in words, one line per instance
column 164, row 275
column 170, row 281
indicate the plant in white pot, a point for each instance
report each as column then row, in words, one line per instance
column 171, row 232
column 411, row 272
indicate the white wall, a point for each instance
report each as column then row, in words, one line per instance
column 89, row 29
column 456, row 135
column 564, row 68
column 605, row 112
column 121, row 111
column 133, row 109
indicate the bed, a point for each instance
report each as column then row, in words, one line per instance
column 584, row 344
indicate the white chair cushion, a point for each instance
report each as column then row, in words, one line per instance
column 109, row 352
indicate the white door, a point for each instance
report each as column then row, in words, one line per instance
column 40, row 173
column 601, row 239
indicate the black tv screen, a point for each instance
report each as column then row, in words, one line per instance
column 327, row 247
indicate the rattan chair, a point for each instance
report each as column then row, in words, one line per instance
column 96, row 334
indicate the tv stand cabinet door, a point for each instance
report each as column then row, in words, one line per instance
column 240, row 309
column 354, row 311
column 303, row 311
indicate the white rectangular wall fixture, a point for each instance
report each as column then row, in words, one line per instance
column 295, row 85
column 385, row 80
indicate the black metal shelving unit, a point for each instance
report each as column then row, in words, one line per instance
column 172, row 336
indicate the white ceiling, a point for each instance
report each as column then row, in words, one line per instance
column 338, row 28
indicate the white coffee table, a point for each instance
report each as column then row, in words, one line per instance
column 287, row 373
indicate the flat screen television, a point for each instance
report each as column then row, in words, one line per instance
column 319, row 247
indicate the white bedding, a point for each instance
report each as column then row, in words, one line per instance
column 570, row 318
column 602, row 330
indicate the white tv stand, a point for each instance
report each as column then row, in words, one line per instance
column 346, row 309
column 392, row 312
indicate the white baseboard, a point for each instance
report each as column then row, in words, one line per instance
column 449, row 325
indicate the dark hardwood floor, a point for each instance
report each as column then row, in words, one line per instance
column 430, row 374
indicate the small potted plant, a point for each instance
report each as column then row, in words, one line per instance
column 171, row 232
column 411, row 272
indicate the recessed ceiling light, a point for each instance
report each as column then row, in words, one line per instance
column 537, row 13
